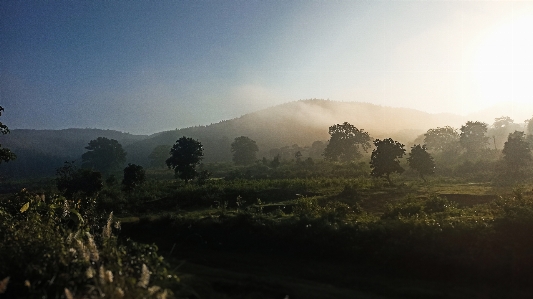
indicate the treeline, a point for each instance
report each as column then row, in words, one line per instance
column 276, row 130
column 41, row 152
column 475, row 150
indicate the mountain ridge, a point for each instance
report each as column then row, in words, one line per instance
column 299, row 122
column 302, row 122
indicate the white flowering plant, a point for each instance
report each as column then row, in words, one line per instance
column 52, row 249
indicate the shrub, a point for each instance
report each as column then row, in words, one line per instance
column 46, row 256
column 307, row 207
column 415, row 207
column 134, row 176
column 71, row 180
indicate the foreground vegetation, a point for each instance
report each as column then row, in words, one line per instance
column 454, row 213
column 58, row 248
column 362, row 232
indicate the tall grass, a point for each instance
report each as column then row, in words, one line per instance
column 52, row 248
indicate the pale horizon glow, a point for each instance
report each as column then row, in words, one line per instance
column 145, row 67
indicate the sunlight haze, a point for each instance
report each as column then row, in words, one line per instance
column 145, row 67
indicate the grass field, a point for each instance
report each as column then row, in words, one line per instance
column 248, row 268
column 330, row 236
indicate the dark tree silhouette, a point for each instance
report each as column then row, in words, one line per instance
column 384, row 160
column 345, row 141
column 420, row 160
column 473, row 137
column 516, row 152
column 71, row 180
column 104, row 155
column 5, row 154
column 134, row 176
column 186, row 154
column 244, row 150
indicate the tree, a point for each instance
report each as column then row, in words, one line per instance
column 443, row 140
column 420, row 160
column 473, row 137
column 503, row 122
column 134, row 176
column 345, row 141
column 5, row 154
column 384, row 160
column 104, row 155
column 500, row 129
column 159, row 155
column 516, row 152
column 186, row 154
column 244, row 150
column 71, row 180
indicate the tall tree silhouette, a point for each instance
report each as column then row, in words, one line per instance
column 420, row 160
column 516, row 152
column 473, row 137
column 104, row 155
column 345, row 141
column 384, row 160
column 185, row 155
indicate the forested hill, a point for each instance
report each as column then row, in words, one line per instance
column 40, row 152
column 67, row 142
column 300, row 122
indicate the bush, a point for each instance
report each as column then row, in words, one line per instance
column 418, row 207
column 71, row 180
column 333, row 211
column 134, row 176
column 52, row 250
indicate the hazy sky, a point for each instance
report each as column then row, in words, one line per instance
column 147, row 66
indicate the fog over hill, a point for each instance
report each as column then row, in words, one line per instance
column 300, row 122
column 519, row 112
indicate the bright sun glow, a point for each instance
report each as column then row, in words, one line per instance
column 503, row 65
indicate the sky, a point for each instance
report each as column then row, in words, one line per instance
column 147, row 66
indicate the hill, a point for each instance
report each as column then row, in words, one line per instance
column 276, row 128
column 301, row 123
column 41, row 152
